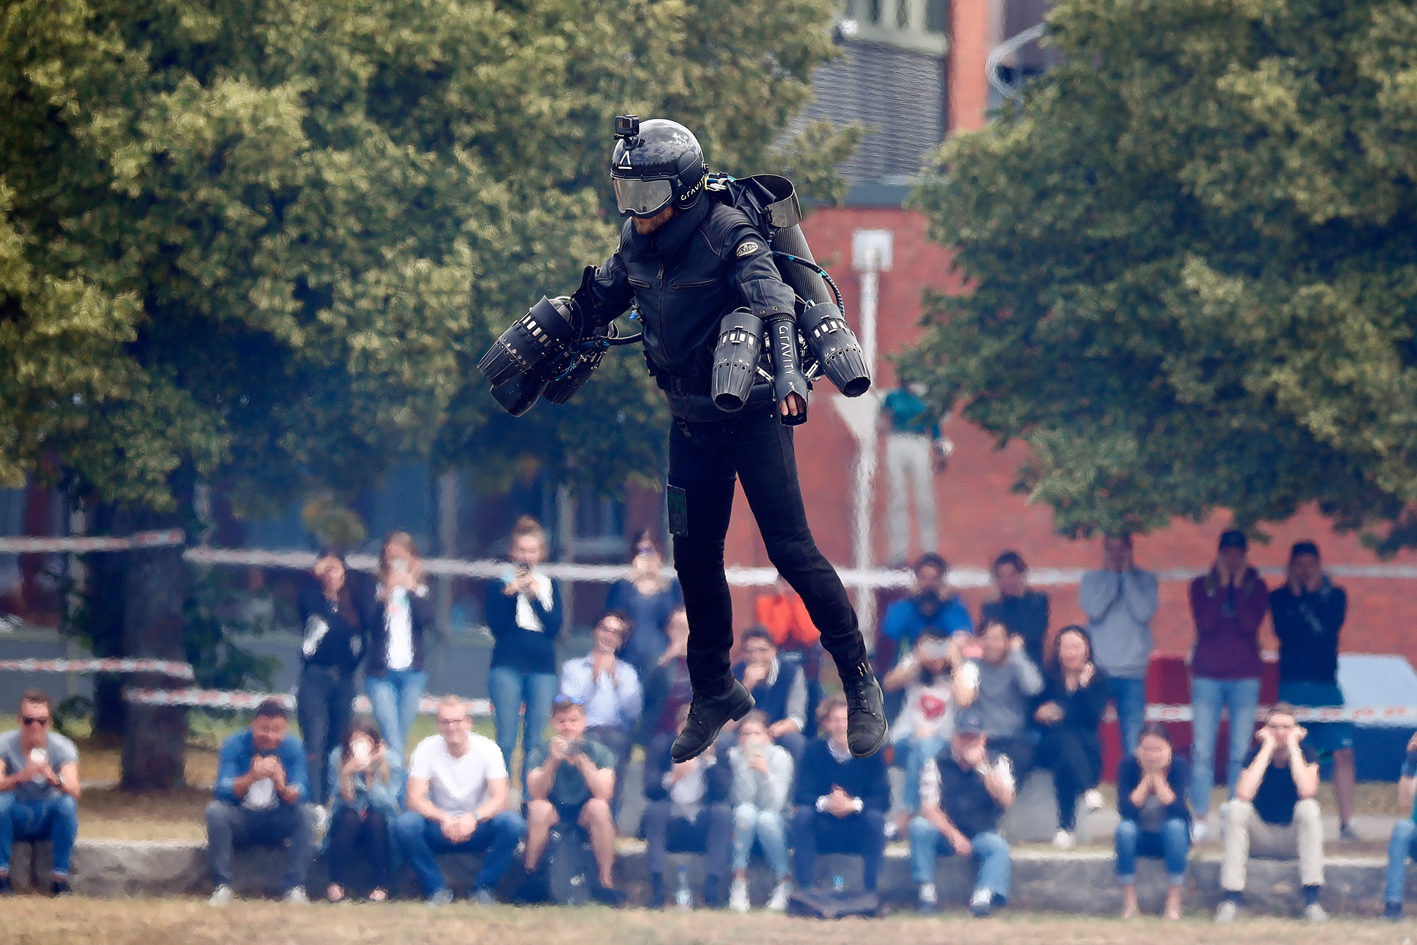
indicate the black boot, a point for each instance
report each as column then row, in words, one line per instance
column 867, row 728
column 707, row 716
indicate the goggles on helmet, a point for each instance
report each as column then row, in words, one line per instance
column 642, row 198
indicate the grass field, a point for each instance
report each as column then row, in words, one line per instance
column 30, row 920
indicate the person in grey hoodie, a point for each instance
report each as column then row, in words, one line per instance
column 1120, row 599
column 762, row 784
column 1006, row 681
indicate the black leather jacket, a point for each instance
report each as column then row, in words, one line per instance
column 684, row 278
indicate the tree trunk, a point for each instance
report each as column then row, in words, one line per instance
column 104, row 627
column 155, row 585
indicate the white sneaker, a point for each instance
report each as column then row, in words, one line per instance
column 1315, row 913
column 221, row 895
column 738, row 896
column 1064, row 840
column 1199, row 831
column 1092, row 799
column 296, row 897
column 1226, row 912
column 322, row 821
column 778, row 901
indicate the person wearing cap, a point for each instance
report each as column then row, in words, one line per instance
column 962, row 797
column 1308, row 612
column 1228, row 604
column 571, row 779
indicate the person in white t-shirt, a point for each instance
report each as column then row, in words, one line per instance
column 457, row 803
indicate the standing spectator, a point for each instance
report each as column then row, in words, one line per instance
column 1404, row 832
column 931, row 604
column 609, row 689
column 963, row 796
column 1022, row 610
column 261, row 798
column 762, row 784
column 362, row 811
column 330, row 654
column 572, row 779
column 39, row 790
column 1120, row 600
column 457, row 802
column 841, row 801
column 779, row 690
column 1156, row 820
column 666, row 685
column 934, row 690
column 1007, row 684
column 1308, row 612
column 1228, row 604
column 915, row 450
column 647, row 598
column 524, row 614
column 402, row 619
column 686, row 808
column 1274, row 813
column 1073, row 700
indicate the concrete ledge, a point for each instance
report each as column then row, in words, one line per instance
column 1080, row 882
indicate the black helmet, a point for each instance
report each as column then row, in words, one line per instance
column 655, row 164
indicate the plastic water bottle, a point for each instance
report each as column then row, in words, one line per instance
column 682, row 897
column 838, row 884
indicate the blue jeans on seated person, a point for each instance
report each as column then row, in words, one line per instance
column 916, row 752
column 991, row 855
column 230, row 826
column 1173, row 844
column 421, row 840
column 54, row 819
column 1402, row 846
column 766, row 827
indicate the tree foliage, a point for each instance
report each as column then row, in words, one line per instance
column 267, row 239
column 1191, row 273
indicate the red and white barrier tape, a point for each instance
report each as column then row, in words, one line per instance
column 19, row 545
column 1392, row 716
column 174, row 668
column 246, row 699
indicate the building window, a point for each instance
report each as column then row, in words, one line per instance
column 937, row 16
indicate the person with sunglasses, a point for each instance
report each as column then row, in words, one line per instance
column 39, row 792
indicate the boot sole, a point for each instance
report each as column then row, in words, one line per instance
column 734, row 715
column 885, row 734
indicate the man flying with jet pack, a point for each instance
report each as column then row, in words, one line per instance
column 723, row 335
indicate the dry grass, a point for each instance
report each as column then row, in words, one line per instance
column 31, row 920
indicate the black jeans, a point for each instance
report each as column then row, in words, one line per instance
column 1076, row 767
column 815, row 831
column 324, row 703
column 704, row 459
column 230, row 826
column 710, row 832
column 366, row 838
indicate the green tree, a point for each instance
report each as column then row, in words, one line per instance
column 1191, row 281
column 262, row 243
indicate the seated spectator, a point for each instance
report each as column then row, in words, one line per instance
column 762, row 783
column 39, row 792
column 926, row 720
column 1404, row 832
column 932, row 603
column 648, row 597
column 1007, row 684
column 261, row 799
column 841, row 801
column 609, row 690
column 779, row 690
column 686, row 808
column 1022, row 610
column 457, row 803
column 666, row 685
column 572, row 779
column 362, row 811
column 1274, row 813
column 962, row 797
column 1156, row 820
column 1074, row 698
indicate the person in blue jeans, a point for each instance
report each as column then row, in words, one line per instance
column 457, row 803
column 1120, row 601
column 39, row 790
column 524, row 614
column 1156, row 820
column 401, row 618
column 1228, row 604
column 1404, row 835
column 962, row 797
